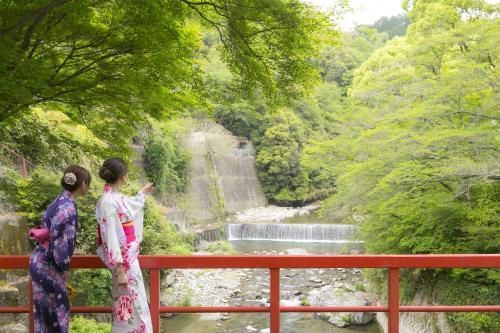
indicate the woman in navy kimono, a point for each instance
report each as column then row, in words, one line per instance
column 50, row 260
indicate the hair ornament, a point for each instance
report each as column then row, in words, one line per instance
column 70, row 178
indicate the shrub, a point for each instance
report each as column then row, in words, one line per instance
column 360, row 287
column 80, row 324
column 221, row 247
column 166, row 163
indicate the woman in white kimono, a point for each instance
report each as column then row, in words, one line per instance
column 120, row 228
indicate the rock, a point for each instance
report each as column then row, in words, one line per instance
column 167, row 315
column 250, row 328
column 321, row 272
column 296, row 251
column 290, row 302
column 265, row 330
column 265, row 291
column 326, row 288
column 331, row 297
column 297, row 292
column 271, row 213
column 14, row 328
column 338, row 285
column 8, row 297
column 315, row 279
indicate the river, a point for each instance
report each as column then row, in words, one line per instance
column 252, row 285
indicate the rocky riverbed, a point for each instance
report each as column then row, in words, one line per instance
column 270, row 214
column 250, row 287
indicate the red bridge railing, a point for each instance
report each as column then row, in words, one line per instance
column 274, row 263
column 19, row 161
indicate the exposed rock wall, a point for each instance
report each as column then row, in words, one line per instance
column 222, row 177
column 418, row 322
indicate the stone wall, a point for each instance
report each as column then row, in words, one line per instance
column 221, row 174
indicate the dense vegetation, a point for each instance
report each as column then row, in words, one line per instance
column 81, row 81
column 404, row 131
column 395, row 124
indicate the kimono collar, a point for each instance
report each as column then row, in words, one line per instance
column 108, row 189
column 67, row 195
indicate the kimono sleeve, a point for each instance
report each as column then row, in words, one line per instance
column 109, row 224
column 63, row 235
column 135, row 206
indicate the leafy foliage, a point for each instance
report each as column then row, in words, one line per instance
column 166, row 163
column 122, row 59
column 79, row 324
column 278, row 158
column 32, row 195
column 415, row 156
column 221, row 248
column 48, row 137
column 393, row 26
column 294, row 159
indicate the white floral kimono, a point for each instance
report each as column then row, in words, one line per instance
column 115, row 211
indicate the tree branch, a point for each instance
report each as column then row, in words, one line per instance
column 37, row 15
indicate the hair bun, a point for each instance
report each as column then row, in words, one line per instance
column 107, row 175
column 73, row 177
column 112, row 169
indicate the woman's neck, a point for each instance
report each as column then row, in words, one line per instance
column 116, row 186
column 70, row 194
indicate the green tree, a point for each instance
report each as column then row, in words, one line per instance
column 416, row 157
column 393, row 26
column 278, row 158
column 120, row 58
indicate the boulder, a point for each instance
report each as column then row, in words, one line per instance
column 9, row 296
column 14, row 328
column 329, row 297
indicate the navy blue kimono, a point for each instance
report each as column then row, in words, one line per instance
column 47, row 266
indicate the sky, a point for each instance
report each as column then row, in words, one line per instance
column 364, row 11
column 367, row 11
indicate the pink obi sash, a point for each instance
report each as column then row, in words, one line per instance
column 41, row 235
column 128, row 229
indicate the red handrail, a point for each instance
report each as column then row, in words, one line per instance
column 274, row 264
column 26, row 163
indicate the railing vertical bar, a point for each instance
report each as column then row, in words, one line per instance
column 275, row 300
column 25, row 168
column 31, row 322
column 154, row 298
column 393, row 300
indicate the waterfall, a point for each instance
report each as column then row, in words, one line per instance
column 333, row 233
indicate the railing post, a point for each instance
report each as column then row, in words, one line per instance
column 31, row 322
column 25, row 168
column 275, row 300
column 393, row 300
column 154, row 298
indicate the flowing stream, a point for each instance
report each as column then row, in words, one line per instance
column 290, row 236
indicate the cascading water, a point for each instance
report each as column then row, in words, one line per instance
column 334, row 233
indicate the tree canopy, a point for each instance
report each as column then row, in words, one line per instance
column 126, row 56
